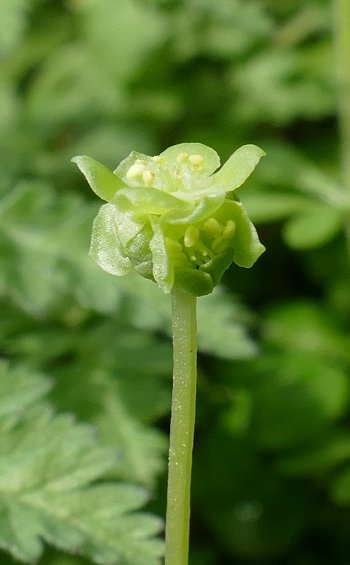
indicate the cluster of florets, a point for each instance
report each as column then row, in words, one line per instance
column 171, row 219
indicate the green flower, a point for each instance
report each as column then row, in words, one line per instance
column 171, row 218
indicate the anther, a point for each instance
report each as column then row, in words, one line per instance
column 182, row 157
column 148, row 176
column 191, row 236
column 196, row 161
column 135, row 171
column 229, row 229
column 213, row 227
column 173, row 246
column 218, row 245
column 158, row 159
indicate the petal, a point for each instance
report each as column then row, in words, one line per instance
column 246, row 245
column 195, row 281
column 163, row 270
column 202, row 210
column 128, row 226
column 105, row 246
column 234, row 172
column 123, row 167
column 211, row 160
column 101, row 179
column 146, row 201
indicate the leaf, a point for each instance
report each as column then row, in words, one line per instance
column 341, row 488
column 268, row 206
column 318, row 459
column 49, row 490
column 44, row 241
column 13, row 16
column 142, row 449
column 307, row 328
column 312, row 227
column 148, row 309
column 297, row 399
column 106, row 29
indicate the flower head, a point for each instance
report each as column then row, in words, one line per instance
column 171, row 217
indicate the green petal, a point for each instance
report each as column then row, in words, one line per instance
column 101, row 179
column 195, row 281
column 246, row 245
column 211, row 160
column 163, row 270
column 105, row 246
column 202, row 210
column 217, row 266
column 146, row 201
column 125, row 165
column 128, row 225
column 235, row 171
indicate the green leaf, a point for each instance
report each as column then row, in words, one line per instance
column 148, row 309
column 49, row 491
column 307, row 328
column 142, row 449
column 44, row 243
column 267, row 206
column 102, row 181
column 297, row 398
column 317, row 459
column 313, row 227
column 19, row 389
column 341, row 488
column 13, row 18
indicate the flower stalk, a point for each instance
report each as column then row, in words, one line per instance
column 181, row 427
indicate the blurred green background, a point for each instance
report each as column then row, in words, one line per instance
column 271, row 478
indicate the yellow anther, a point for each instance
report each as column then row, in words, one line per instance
column 148, row 177
column 158, row 159
column 191, row 236
column 173, row 246
column 213, row 227
column 178, row 174
column 135, row 171
column 218, row 245
column 182, row 157
column 229, row 229
column 196, row 161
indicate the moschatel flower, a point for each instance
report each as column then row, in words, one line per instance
column 171, row 218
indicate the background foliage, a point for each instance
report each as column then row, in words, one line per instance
column 272, row 455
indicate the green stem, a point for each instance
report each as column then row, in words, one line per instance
column 181, row 427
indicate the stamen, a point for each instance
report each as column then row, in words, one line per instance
column 178, row 174
column 229, row 229
column 191, row 236
column 148, row 177
column 173, row 246
column 135, row 171
column 213, row 227
column 218, row 245
column 196, row 161
column 182, row 157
